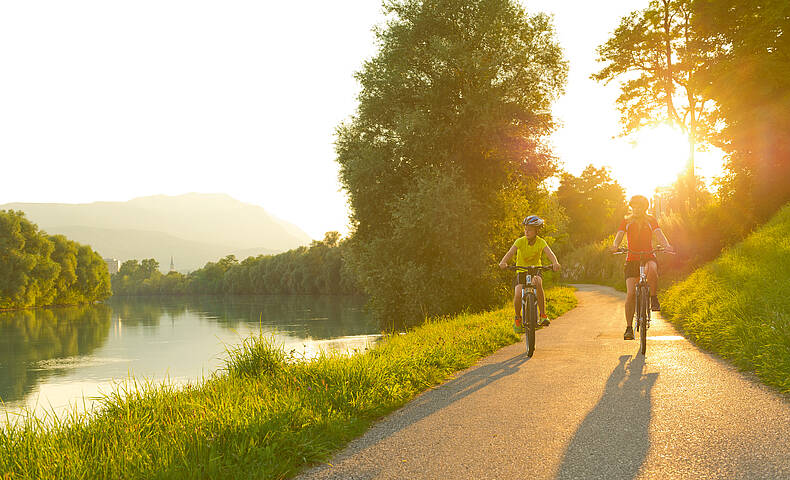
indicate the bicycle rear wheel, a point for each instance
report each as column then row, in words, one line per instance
column 531, row 317
column 642, row 309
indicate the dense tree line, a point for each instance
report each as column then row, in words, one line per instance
column 446, row 150
column 317, row 269
column 40, row 269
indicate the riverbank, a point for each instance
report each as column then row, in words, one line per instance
column 265, row 416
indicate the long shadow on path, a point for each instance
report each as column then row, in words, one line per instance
column 613, row 440
column 459, row 387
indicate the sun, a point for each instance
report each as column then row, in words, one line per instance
column 650, row 158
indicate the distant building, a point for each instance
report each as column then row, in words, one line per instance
column 172, row 264
column 113, row 265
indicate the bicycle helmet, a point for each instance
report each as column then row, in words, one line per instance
column 639, row 203
column 533, row 221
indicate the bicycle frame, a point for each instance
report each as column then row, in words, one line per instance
column 529, row 303
column 528, row 288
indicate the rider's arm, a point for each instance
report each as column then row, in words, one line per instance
column 662, row 239
column 507, row 257
column 550, row 255
column 617, row 239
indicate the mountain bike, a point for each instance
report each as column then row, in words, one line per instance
column 529, row 303
column 642, row 295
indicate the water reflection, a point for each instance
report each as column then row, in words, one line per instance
column 31, row 338
column 52, row 358
column 316, row 317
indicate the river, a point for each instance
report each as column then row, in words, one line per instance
column 52, row 360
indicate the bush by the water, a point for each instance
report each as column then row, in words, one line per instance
column 266, row 417
column 738, row 306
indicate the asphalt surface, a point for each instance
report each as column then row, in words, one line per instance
column 585, row 406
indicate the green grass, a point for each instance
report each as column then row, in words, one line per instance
column 266, row 416
column 738, row 306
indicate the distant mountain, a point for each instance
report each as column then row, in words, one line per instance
column 193, row 228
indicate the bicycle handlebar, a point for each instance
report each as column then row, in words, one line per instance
column 659, row 249
column 530, row 268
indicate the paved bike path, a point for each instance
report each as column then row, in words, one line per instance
column 585, row 406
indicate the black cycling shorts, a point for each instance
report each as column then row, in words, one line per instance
column 631, row 269
column 522, row 276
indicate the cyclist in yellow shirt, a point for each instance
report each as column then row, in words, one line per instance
column 528, row 250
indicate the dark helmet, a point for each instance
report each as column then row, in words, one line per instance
column 533, row 221
column 639, row 203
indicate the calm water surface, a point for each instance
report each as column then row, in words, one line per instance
column 53, row 358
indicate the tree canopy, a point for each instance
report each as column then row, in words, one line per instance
column 659, row 55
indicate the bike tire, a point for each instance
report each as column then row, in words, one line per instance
column 643, row 313
column 531, row 315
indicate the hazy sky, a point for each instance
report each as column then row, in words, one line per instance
column 106, row 100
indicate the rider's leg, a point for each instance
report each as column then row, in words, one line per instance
column 538, row 282
column 652, row 281
column 630, row 300
column 517, row 301
column 652, row 276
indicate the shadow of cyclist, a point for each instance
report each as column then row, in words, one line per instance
column 613, row 440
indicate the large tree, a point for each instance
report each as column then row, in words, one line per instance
column 658, row 55
column 748, row 75
column 445, row 149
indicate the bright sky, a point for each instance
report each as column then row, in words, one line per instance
column 107, row 101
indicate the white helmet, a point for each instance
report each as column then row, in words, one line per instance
column 533, row 220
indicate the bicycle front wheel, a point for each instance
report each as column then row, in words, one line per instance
column 644, row 298
column 531, row 317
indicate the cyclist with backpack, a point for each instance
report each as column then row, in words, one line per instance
column 528, row 250
column 639, row 228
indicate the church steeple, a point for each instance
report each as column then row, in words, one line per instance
column 172, row 264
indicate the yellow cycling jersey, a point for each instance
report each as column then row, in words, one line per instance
column 529, row 254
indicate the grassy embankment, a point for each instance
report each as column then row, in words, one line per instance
column 266, row 416
column 738, row 306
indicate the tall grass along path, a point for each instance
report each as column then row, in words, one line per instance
column 266, row 416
